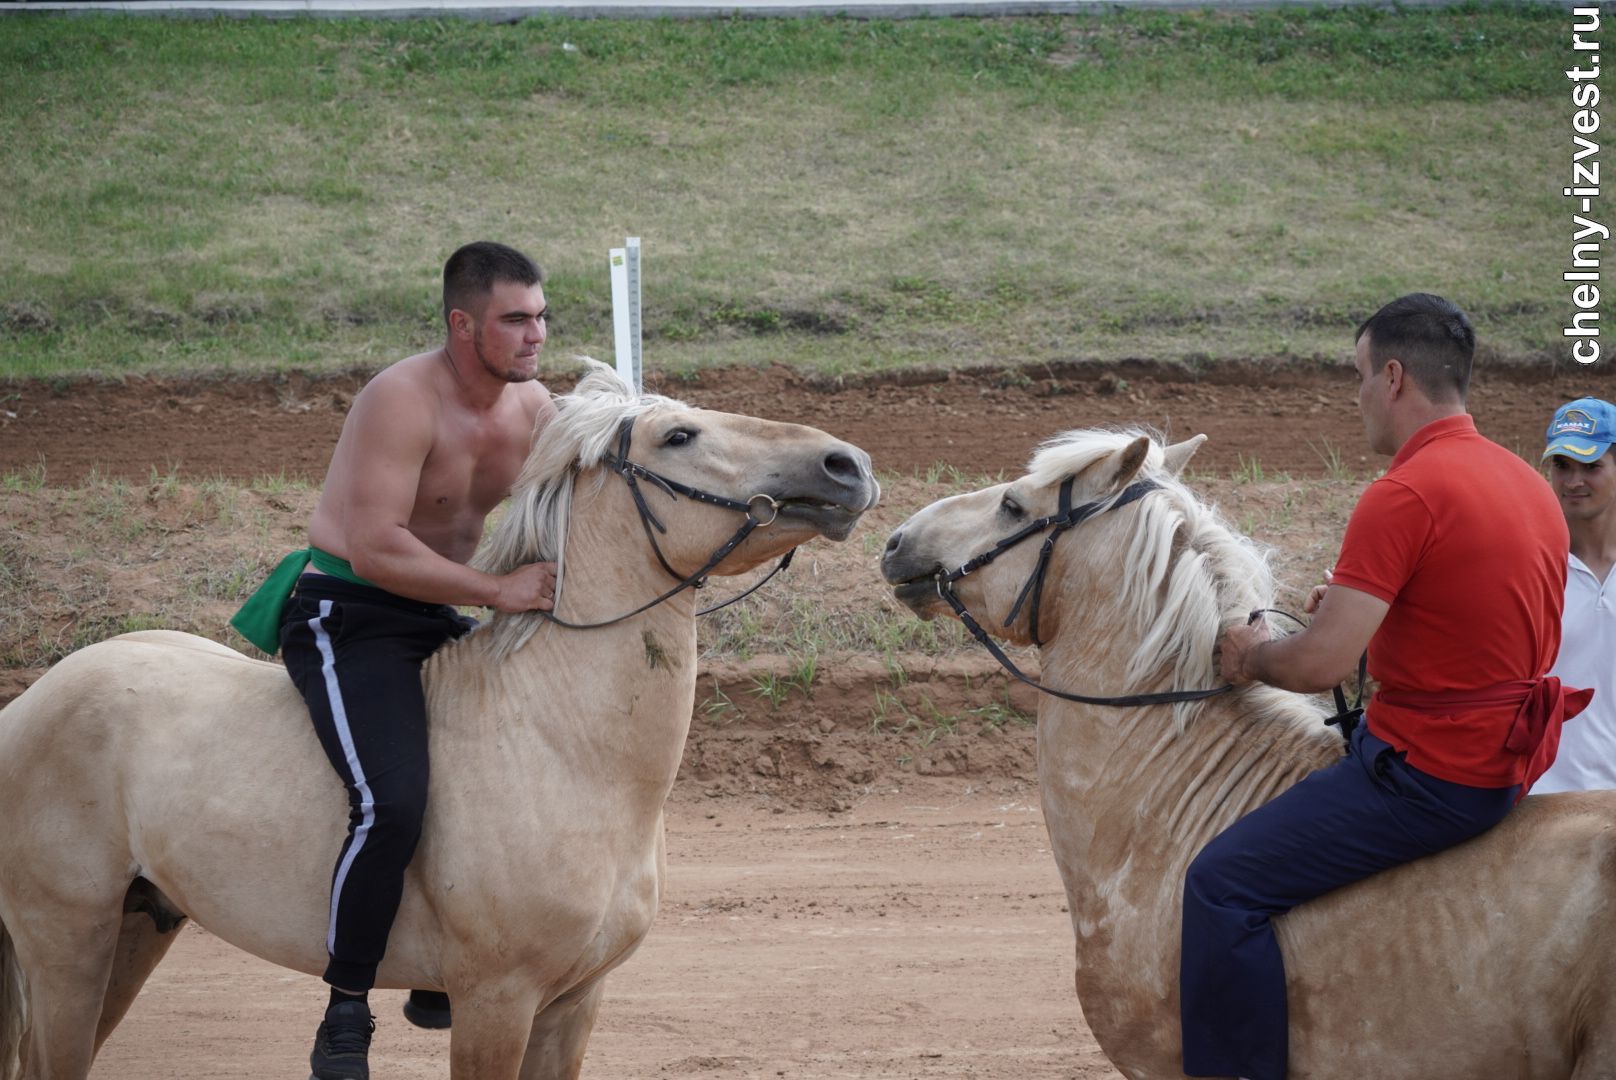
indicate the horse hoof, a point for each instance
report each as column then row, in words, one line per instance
column 427, row 1009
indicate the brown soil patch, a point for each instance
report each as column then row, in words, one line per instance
column 1285, row 417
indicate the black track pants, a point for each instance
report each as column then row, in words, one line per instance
column 355, row 652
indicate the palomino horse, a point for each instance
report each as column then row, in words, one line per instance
column 1494, row 959
column 157, row 773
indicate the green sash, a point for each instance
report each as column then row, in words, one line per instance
column 259, row 620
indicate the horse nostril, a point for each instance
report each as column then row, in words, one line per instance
column 842, row 466
column 894, row 542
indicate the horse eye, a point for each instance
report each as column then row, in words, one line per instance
column 1011, row 508
column 679, row 436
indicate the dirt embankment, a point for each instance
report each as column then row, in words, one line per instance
column 1299, row 419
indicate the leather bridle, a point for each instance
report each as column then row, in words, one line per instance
column 1066, row 517
column 754, row 508
column 1346, row 716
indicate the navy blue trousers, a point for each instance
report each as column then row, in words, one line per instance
column 355, row 652
column 1370, row 811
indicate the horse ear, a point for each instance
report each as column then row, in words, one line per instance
column 1175, row 457
column 1127, row 462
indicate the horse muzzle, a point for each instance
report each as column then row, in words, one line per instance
column 913, row 579
column 920, row 595
column 834, row 517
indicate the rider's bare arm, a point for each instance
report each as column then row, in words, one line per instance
column 1316, row 659
column 389, row 433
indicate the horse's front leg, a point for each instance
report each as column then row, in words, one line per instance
column 555, row 1047
column 493, row 1019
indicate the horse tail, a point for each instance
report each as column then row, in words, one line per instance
column 13, row 1009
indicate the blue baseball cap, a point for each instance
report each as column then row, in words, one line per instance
column 1582, row 430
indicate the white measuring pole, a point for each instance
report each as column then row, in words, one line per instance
column 625, row 358
column 625, row 267
column 632, row 249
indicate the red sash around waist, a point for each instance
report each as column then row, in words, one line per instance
column 1542, row 705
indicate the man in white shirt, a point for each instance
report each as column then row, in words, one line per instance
column 1582, row 472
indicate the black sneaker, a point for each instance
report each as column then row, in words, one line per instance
column 343, row 1043
column 427, row 1009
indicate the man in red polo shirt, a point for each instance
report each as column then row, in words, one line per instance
column 1452, row 574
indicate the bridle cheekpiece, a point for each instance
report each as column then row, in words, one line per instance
column 1065, row 518
column 755, row 509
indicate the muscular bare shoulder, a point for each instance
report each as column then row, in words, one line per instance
column 536, row 402
column 413, row 378
column 397, row 409
column 526, row 409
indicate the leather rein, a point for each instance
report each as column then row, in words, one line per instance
column 755, row 509
column 1346, row 716
column 1066, row 517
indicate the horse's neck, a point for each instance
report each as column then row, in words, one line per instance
column 617, row 695
column 1124, row 785
column 1129, row 801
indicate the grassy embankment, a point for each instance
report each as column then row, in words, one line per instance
column 235, row 195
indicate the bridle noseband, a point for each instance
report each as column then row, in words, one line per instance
column 1067, row 517
column 754, row 508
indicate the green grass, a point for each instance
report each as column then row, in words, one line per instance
column 806, row 629
column 1001, row 714
column 775, row 688
column 847, row 195
column 771, row 688
column 1334, row 466
column 719, row 708
column 30, row 479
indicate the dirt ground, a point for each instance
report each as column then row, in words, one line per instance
column 854, row 890
column 917, row 935
column 1290, row 417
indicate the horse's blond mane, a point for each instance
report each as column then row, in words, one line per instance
column 534, row 525
column 1188, row 573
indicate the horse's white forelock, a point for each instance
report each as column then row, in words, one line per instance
column 534, row 526
column 1186, row 573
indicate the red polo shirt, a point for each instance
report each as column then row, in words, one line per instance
column 1467, row 544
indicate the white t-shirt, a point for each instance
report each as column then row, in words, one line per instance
column 1587, row 757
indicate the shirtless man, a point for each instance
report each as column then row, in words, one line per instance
column 430, row 447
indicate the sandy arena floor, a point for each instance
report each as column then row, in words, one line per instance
column 918, row 935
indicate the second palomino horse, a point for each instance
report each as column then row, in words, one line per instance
column 1493, row 959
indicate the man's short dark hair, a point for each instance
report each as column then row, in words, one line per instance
column 472, row 272
column 1431, row 337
